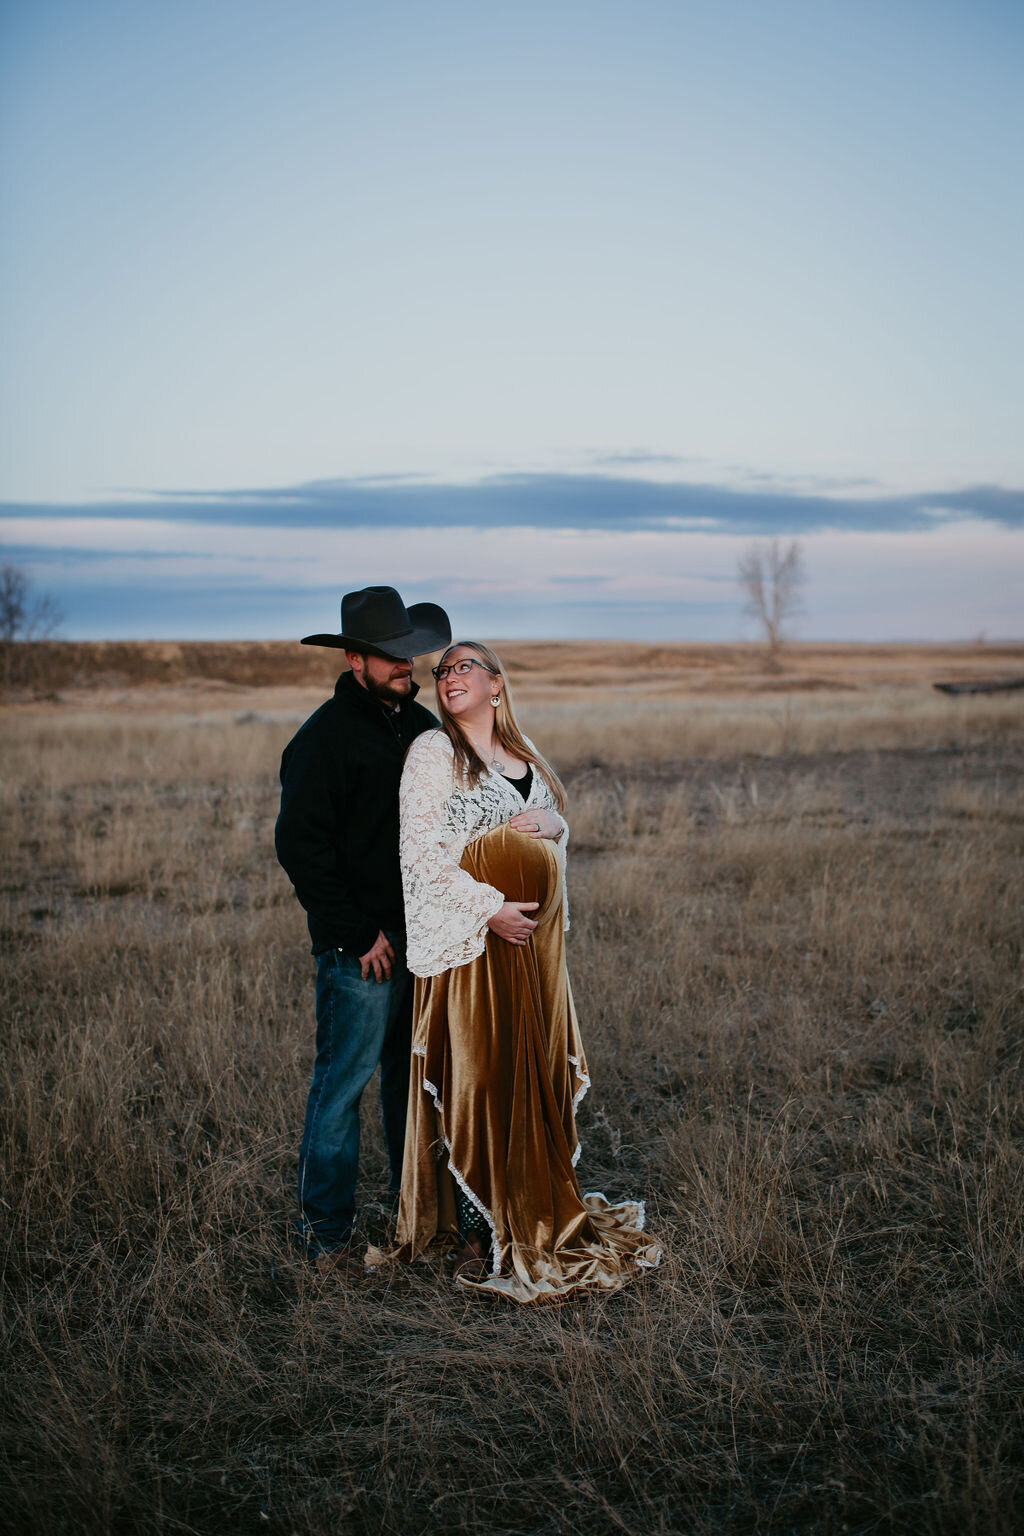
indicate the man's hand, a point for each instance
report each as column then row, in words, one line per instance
column 538, row 824
column 379, row 959
column 511, row 923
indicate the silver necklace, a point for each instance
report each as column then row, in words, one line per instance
column 492, row 762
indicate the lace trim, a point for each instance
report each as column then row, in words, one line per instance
column 419, row 1050
column 429, row 1087
column 577, row 1099
column 581, row 1091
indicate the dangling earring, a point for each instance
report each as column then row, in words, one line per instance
column 495, row 700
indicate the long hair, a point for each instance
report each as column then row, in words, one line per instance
column 470, row 767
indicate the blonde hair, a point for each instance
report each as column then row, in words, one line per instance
column 470, row 767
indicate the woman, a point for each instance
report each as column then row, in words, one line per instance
column 498, row 1067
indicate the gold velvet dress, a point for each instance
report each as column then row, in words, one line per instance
column 498, row 1065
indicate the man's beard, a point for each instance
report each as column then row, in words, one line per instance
column 387, row 693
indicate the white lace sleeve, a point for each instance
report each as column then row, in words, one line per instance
column 446, row 910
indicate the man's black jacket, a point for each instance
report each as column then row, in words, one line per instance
column 337, row 832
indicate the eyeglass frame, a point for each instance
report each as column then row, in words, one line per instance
column 439, row 673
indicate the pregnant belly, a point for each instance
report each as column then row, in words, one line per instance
column 523, row 868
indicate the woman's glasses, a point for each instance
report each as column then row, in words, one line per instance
column 460, row 668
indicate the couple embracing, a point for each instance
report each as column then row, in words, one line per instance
column 429, row 855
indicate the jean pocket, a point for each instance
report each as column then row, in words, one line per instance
column 329, row 962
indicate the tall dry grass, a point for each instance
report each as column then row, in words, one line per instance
column 800, row 980
column 626, row 728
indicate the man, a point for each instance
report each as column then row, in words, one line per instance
column 337, row 838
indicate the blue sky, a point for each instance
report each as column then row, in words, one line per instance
column 542, row 312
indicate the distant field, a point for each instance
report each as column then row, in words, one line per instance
column 115, row 667
column 797, row 956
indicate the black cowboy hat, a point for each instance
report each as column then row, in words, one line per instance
column 376, row 619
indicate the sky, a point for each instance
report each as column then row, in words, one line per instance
column 544, row 312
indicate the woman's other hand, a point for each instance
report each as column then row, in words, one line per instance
column 538, row 824
column 511, row 923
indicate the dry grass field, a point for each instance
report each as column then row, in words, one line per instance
column 796, row 950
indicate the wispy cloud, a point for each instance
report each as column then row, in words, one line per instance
column 551, row 501
column 83, row 555
column 639, row 456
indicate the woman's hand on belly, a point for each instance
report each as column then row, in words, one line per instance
column 511, row 923
column 538, row 824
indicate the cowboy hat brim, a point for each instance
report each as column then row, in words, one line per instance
column 431, row 631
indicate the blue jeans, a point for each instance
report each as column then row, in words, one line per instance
column 358, row 1024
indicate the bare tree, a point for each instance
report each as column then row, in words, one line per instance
column 771, row 576
column 23, row 616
